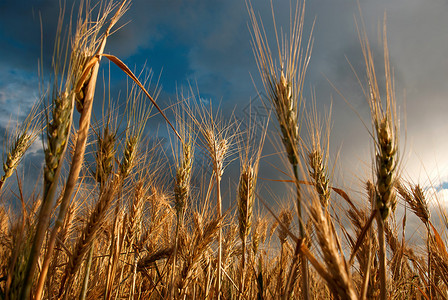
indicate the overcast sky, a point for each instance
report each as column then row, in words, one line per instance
column 208, row 42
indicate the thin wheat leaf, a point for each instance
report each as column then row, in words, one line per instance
column 125, row 69
column 362, row 236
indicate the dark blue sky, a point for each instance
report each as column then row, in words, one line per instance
column 208, row 43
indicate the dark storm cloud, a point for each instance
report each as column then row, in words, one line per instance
column 417, row 37
column 208, row 43
column 212, row 37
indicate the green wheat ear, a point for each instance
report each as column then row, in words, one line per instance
column 183, row 178
column 318, row 173
column 105, row 155
column 386, row 164
column 246, row 197
column 57, row 135
column 18, row 150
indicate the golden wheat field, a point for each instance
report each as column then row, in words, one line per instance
column 117, row 215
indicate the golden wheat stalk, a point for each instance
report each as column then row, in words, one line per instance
column 216, row 138
column 217, row 147
column 385, row 133
column 416, row 199
column 136, row 213
column 341, row 282
column 283, row 83
column 246, row 195
column 249, row 162
column 83, row 244
column 184, row 158
column 318, row 172
column 259, row 233
column 285, row 219
column 135, row 226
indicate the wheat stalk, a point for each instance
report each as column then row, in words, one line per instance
column 84, row 242
column 259, row 234
column 385, row 134
column 184, row 158
column 129, row 154
column 203, row 234
column 416, row 199
column 285, row 219
column 216, row 139
column 283, row 83
column 246, row 197
column 217, row 147
column 249, row 163
column 135, row 225
column 341, row 282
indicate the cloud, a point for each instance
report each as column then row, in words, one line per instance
column 208, row 43
column 18, row 93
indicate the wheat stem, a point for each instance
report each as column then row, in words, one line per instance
column 85, row 282
column 219, row 214
column 303, row 260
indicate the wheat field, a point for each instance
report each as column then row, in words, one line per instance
column 118, row 216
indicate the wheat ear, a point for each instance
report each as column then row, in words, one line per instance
column 138, row 114
column 105, row 154
column 183, row 178
column 319, row 133
column 246, row 195
column 20, row 141
column 416, row 199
